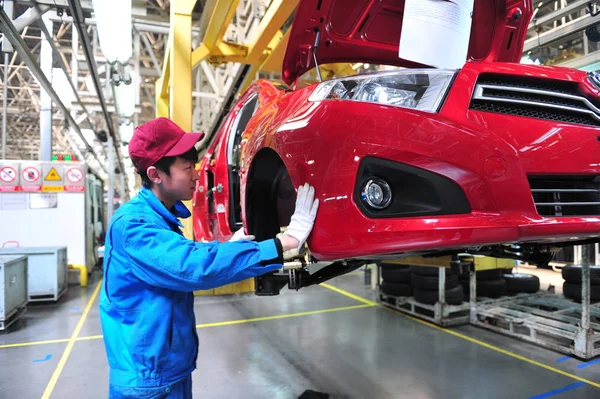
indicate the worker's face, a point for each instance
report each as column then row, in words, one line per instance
column 181, row 183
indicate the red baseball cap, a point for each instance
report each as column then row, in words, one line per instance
column 158, row 138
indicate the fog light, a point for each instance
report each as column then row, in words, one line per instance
column 377, row 193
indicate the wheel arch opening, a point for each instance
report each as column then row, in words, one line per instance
column 270, row 195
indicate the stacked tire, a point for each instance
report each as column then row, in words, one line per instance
column 396, row 280
column 499, row 282
column 572, row 285
column 521, row 283
column 425, row 283
column 490, row 283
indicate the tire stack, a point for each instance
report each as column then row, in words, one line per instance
column 572, row 284
column 425, row 281
column 490, row 283
column 396, row 280
column 495, row 283
column 522, row 283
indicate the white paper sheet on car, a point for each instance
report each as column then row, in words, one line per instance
column 436, row 32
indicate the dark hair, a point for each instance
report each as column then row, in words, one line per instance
column 164, row 165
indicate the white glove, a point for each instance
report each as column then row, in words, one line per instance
column 240, row 235
column 303, row 219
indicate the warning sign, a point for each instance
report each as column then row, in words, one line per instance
column 75, row 179
column 42, row 176
column 31, row 177
column 9, row 177
column 30, row 174
column 74, row 175
column 8, row 174
column 53, row 175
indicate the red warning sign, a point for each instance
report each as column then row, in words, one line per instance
column 8, row 174
column 31, row 178
column 74, row 175
column 31, row 174
column 8, row 178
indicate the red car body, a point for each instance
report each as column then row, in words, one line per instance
column 512, row 155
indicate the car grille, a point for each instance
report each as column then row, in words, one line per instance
column 534, row 98
column 566, row 195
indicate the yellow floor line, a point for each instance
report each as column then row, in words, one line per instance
column 462, row 336
column 346, row 293
column 69, row 348
column 51, row 341
column 217, row 324
column 89, row 338
column 283, row 316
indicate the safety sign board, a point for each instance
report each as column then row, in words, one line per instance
column 53, row 177
column 42, row 176
column 30, row 174
column 9, row 177
column 74, row 179
column 31, row 177
column 8, row 174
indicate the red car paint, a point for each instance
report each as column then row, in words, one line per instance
column 489, row 155
column 369, row 31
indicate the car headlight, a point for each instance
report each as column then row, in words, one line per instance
column 421, row 89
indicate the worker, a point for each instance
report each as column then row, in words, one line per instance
column 151, row 269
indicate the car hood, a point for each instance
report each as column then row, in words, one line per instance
column 369, row 31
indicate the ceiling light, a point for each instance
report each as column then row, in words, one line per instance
column 113, row 20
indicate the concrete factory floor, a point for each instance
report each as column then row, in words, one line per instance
column 331, row 338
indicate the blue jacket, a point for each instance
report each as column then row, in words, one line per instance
column 150, row 273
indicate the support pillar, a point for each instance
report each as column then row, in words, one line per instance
column 110, row 190
column 181, row 76
column 45, row 99
column 75, row 51
column 4, row 105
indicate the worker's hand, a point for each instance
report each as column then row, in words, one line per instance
column 240, row 235
column 302, row 220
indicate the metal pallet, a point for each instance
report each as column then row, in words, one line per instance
column 544, row 319
column 441, row 314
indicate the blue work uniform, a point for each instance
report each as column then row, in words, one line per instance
column 147, row 303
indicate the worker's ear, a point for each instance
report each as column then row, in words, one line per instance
column 153, row 175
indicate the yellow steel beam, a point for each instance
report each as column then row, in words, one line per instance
column 220, row 18
column 329, row 71
column 180, row 95
column 277, row 13
column 162, row 103
column 229, row 52
column 183, row 7
column 276, row 52
column 275, row 43
column 199, row 55
column 165, row 77
column 180, row 63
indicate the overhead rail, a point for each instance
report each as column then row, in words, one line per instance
column 78, row 21
column 64, row 68
column 8, row 29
